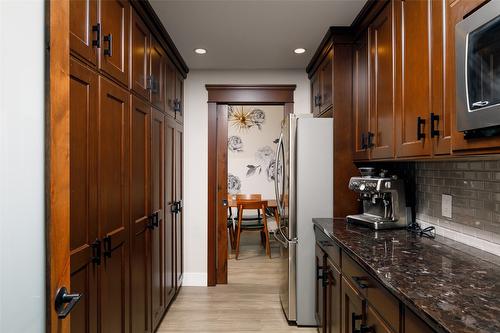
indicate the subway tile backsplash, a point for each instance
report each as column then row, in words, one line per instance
column 475, row 190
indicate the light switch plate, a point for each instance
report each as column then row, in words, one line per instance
column 446, row 201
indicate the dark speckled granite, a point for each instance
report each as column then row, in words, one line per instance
column 451, row 289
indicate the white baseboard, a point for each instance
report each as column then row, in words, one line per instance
column 194, row 279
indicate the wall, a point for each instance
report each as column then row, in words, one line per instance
column 251, row 149
column 22, row 241
column 196, row 152
column 475, row 190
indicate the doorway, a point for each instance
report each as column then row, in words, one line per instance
column 222, row 100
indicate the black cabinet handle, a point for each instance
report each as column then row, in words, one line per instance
column 177, row 105
column 62, row 298
column 420, row 133
column 174, row 208
column 107, row 246
column 363, row 141
column 354, row 319
column 109, row 51
column 369, row 140
column 156, row 219
column 319, row 100
column 97, row 41
column 434, row 121
column 359, row 282
column 96, row 252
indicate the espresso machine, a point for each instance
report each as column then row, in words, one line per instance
column 384, row 202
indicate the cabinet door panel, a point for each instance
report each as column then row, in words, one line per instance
column 413, row 324
column 115, row 18
column 333, row 296
column 113, row 194
column 83, row 226
column 140, row 211
column 170, row 78
column 413, row 77
column 320, row 291
column 327, row 82
column 83, row 18
column 179, row 96
column 157, row 75
column 179, row 234
column 353, row 307
column 360, row 98
column 157, row 202
column 381, row 86
column 141, row 40
column 169, row 216
column 316, row 94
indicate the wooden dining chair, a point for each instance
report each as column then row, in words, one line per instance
column 246, row 202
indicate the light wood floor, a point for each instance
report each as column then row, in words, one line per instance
column 248, row 303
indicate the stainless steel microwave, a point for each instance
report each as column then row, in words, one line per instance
column 477, row 54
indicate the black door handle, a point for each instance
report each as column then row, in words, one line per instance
column 97, row 41
column 177, row 105
column 109, row 51
column 363, row 141
column 420, row 133
column 96, row 252
column 151, row 222
column 62, row 298
column 354, row 319
column 174, row 208
column 369, row 140
column 434, row 121
column 107, row 246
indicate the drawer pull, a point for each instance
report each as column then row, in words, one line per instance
column 354, row 318
column 359, row 280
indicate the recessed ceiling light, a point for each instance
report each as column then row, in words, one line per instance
column 200, row 51
column 300, row 50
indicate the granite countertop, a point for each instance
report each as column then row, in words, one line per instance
column 439, row 279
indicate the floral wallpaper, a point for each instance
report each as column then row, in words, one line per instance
column 253, row 133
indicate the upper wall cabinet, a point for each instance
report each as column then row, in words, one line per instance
column 141, row 41
column 115, row 18
column 85, row 31
column 322, row 86
column 420, row 120
column 157, row 75
column 381, row 38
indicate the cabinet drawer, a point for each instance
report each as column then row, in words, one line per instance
column 331, row 249
column 386, row 304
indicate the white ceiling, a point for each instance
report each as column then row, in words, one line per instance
column 251, row 34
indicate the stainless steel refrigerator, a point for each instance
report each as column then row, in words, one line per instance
column 304, row 189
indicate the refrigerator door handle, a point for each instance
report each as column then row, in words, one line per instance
column 276, row 183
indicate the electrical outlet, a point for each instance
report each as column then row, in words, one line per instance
column 446, row 201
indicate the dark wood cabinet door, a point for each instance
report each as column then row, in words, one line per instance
column 381, row 43
column 353, row 308
column 169, row 260
column 326, row 79
column 141, row 41
column 315, row 94
column 333, row 299
column 413, row 78
column 84, row 29
column 376, row 323
column 360, row 99
column 170, row 78
column 115, row 19
column 157, row 75
column 83, row 204
column 455, row 12
column 413, row 324
column 157, row 207
column 113, row 160
column 178, row 195
column 179, row 97
column 140, row 248
column 319, row 289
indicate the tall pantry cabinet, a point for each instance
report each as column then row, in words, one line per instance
column 126, row 136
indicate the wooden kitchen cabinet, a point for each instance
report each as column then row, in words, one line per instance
column 179, row 97
column 178, row 197
column 333, row 298
column 141, row 41
column 320, row 260
column 353, row 308
column 381, row 41
column 456, row 11
column 84, row 37
column 114, row 57
column 157, row 75
column 140, row 210
column 315, row 94
column 322, row 86
column 360, row 99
